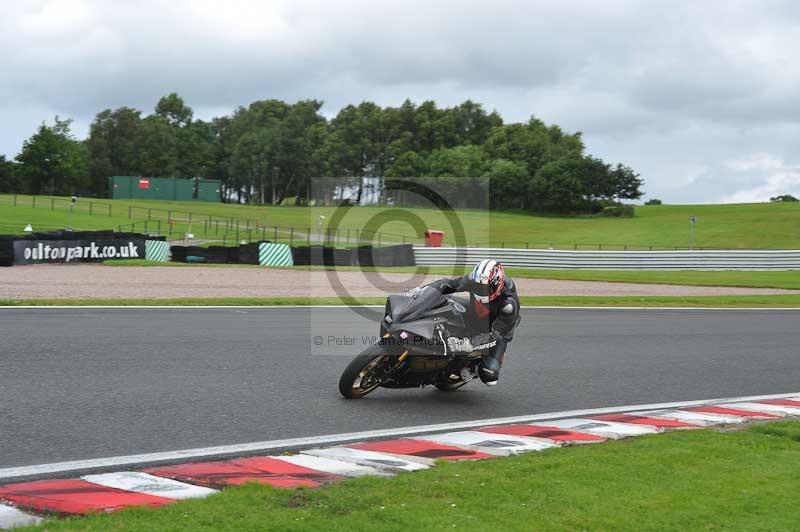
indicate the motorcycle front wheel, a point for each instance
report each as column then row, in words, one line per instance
column 359, row 377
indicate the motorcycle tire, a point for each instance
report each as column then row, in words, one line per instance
column 449, row 386
column 353, row 375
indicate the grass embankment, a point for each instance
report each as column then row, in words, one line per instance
column 690, row 480
column 737, row 226
column 776, row 301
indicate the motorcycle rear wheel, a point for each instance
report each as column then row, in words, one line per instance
column 357, row 379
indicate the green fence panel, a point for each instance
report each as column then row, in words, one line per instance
column 270, row 254
column 208, row 190
column 184, row 189
column 121, row 186
column 164, row 188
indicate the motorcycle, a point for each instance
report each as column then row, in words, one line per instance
column 412, row 350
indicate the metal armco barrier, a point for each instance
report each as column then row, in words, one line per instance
column 614, row 260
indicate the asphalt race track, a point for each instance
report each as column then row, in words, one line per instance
column 90, row 383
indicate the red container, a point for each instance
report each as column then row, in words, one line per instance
column 433, row 238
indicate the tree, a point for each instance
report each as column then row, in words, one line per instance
column 248, row 146
column 508, row 181
column 473, row 124
column 254, row 159
column 158, row 147
column 197, row 150
column 461, row 172
column 526, row 143
column 302, row 135
column 174, row 111
column 112, row 146
column 626, row 183
column 53, row 161
column 783, row 197
column 597, row 181
column 557, row 187
column 408, row 164
column 461, row 161
column 355, row 146
column 171, row 144
column 276, row 148
column 8, row 176
column 271, row 150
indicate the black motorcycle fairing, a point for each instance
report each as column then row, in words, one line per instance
column 421, row 314
column 408, row 308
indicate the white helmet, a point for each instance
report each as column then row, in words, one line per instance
column 487, row 280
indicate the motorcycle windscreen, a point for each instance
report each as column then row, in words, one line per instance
column 427, row 299
column 423, row 328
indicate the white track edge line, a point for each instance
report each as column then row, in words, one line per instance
column 200, row 307
column 292, row 443
column 239, row 307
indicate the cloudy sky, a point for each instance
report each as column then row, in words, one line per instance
column 702, row 98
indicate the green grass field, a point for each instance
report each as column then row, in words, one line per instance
column 739, row 226
column 689, row 480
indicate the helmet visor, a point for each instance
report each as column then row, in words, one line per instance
column 483, row 290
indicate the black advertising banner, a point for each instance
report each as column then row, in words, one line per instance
column 76, row 251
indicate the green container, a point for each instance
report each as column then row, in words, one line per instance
column 164, row 188
column 184, row 189
column 208, row 190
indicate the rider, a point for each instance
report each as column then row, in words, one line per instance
column 493, row 296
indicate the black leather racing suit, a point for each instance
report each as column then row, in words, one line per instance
column 496, row 319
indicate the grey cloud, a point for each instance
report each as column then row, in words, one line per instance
column 676, row 89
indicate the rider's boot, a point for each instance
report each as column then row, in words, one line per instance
column 489, row 369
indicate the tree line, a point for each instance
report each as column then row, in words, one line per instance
column 272, row 150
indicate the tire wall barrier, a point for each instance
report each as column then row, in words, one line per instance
column 6, row 251
column 270, row 254
column 387, row 256
column 614, row 260
column 248, row 253
column 211, row 254
column 400, row 255
column 244, row 254
column 322, row 256
column 72, row 247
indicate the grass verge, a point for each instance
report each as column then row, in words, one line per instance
column 751, row 279
column 150, row 264
column 773, row 301
column 746, row 279
column 690, row 480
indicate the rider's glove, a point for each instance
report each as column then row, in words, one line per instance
column 414, row 292
column 459, row 345
column 483, row 341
